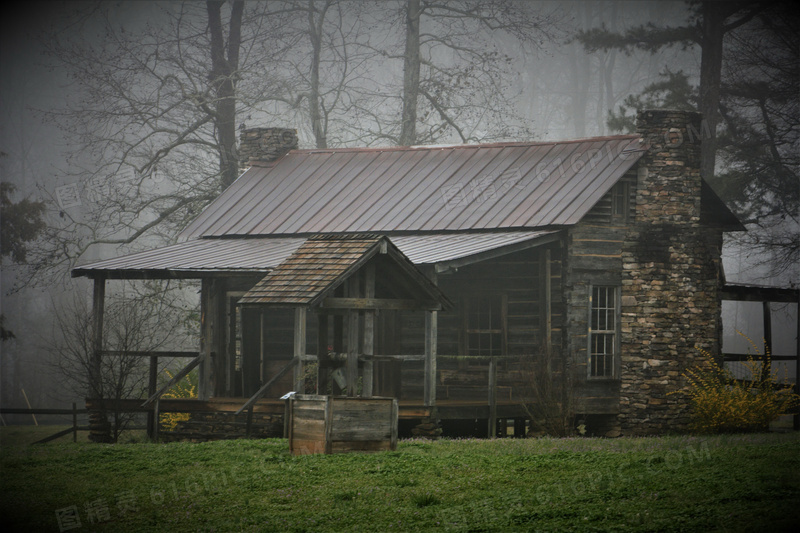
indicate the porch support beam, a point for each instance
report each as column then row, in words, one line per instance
column 323, row 361
column 299, row 348
column 377, row 303
column 353, row 317
column 98, row 310
column 351, row 366
column 492, row 428
column 431, row 333
column 206, row 332
column 548, row 302
column 369, row 330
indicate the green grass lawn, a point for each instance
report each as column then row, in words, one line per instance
column 681, row 483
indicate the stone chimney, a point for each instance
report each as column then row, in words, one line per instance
column 265, row 145
column 670, row 307
column 669, row 190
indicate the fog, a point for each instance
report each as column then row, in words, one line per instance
column 560, row 92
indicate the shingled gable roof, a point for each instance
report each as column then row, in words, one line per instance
column 506, row 186
column 324, row 262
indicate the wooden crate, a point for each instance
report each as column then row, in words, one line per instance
column 338, row 424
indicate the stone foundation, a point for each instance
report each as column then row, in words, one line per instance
column 428, row 428
column 202, row 427
column 99, row 427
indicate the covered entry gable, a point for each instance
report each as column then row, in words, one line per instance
column 311, row 276
column 350, row 277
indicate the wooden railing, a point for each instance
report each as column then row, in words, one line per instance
column 491, row 385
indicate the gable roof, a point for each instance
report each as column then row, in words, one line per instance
column 324, row 262
column 420, row 189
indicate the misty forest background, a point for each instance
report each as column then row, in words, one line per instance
column 119, row 122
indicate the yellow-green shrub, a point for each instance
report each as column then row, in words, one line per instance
column 723, row 404
column 185, row 388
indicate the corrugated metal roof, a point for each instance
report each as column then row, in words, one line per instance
column 420, row 189
column 439, row 248
column 206, row 256
column 202, row 255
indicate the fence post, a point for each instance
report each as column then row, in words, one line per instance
column 249, row 426
column 151, row 389
column 156, row 416
column 74, row 422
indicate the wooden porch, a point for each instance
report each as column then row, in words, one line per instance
column 246, row 424
column 352, row 316
column 409, row 409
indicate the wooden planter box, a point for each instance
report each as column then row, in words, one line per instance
column 337, row 424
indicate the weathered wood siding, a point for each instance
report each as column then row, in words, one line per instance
column 594, row 257
column 517, row 278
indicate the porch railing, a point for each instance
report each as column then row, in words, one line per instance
column 491, row 386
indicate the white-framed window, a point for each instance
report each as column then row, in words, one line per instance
column 603, row 335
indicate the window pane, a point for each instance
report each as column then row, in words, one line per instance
column 485, row 325
column 602, row 331
column 496, row 344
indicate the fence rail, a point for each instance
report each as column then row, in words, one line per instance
column 45, row 411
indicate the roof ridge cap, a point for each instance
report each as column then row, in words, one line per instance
column 499, row 144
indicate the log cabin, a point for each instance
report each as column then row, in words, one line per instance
column 485, row 286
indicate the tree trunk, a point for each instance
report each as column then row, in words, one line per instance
column 314, row 104
column 710, row 79
column 224, row 67
column 411, row 70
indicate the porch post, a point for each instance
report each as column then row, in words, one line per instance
column 548, row 301
column 351, row 366
column 545, row 301
column 353, row 336
column 431, row 333
column 369, row 332
column 299, row 348
column 323, row 360
column 206, row 332
column 100, row 428
column 98, row 309
column 492, row 428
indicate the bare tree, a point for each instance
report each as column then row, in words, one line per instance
column 408, row 71
column 456, row 78
column 156, row 105
column 152, row 119
column 327, row 58
column 20, row 224
column 549, row 393
column 134, row 323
